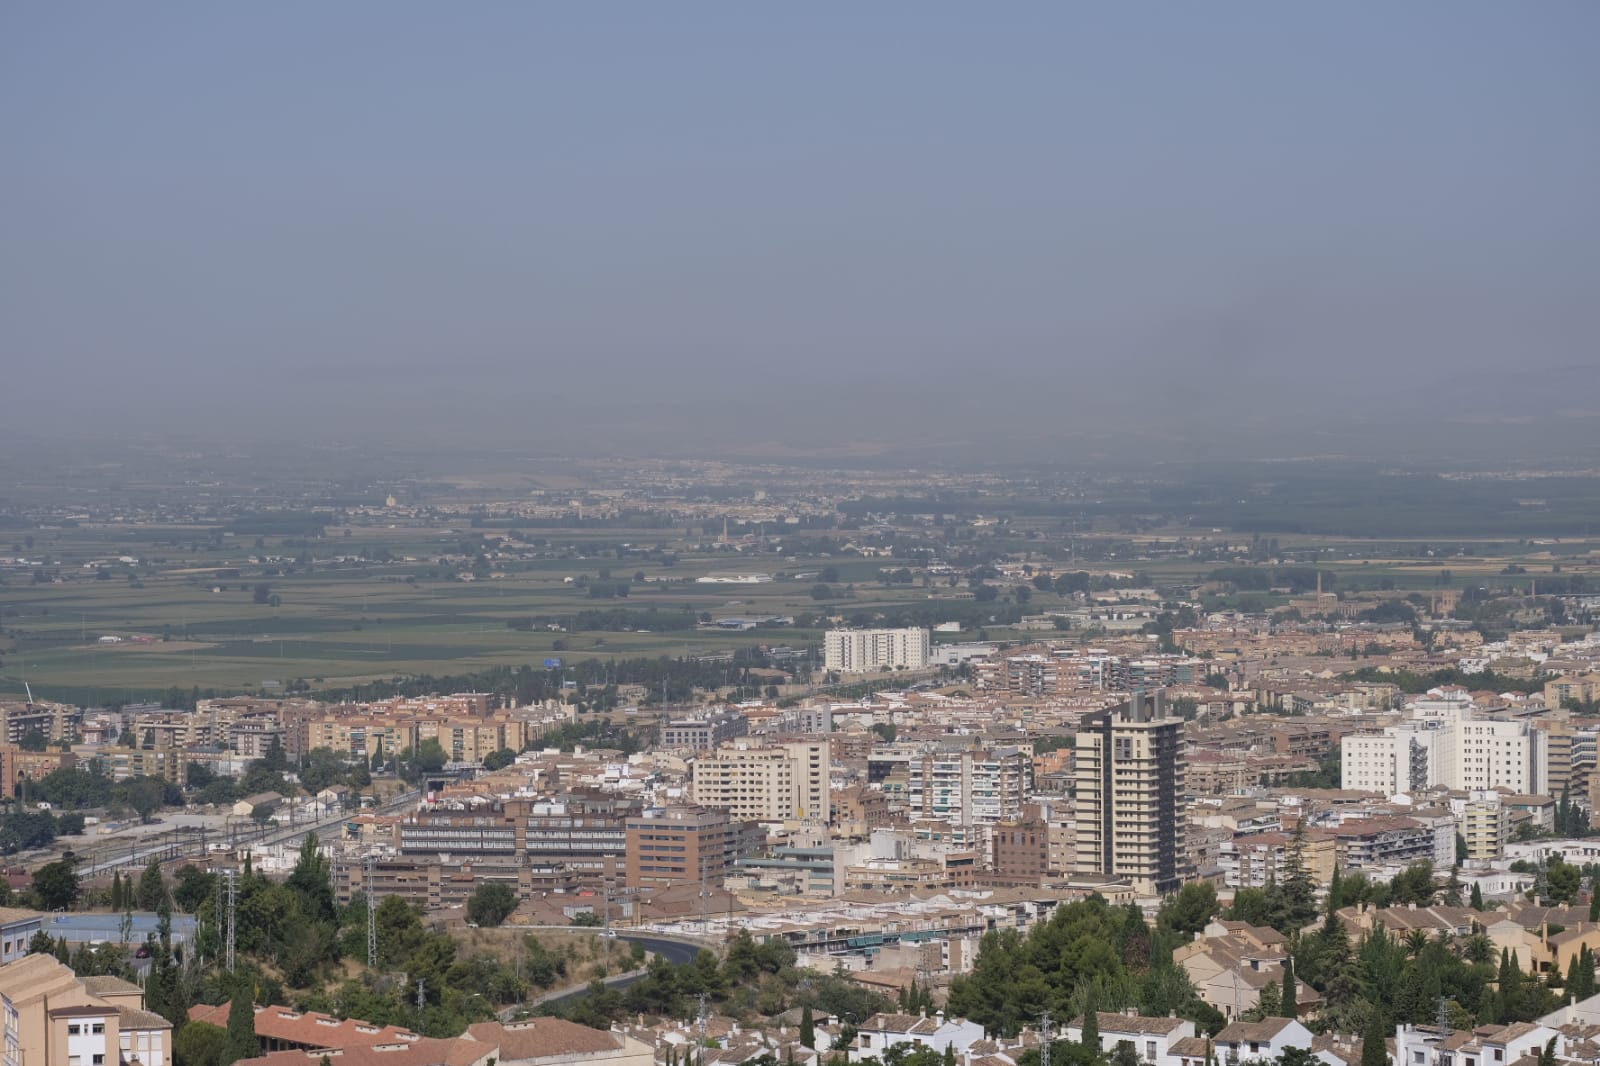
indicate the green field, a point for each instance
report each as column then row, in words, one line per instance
column 188, row 616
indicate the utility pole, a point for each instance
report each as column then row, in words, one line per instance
column 422, row 1000
column 372, row 912
column 233, row 911
column 1044, row 1039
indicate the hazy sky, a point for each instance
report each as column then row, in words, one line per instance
column 674, row 224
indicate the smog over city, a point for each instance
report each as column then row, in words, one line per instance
column 901, row 534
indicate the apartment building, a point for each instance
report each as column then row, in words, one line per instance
column 1129, row 778
column 862, row 651
column 704, row 732
column 1444, row 744
column 967, row 786
column 53, row 1016
column 1485, row 824
column 679, row 845
column 777, row 783
column 57, row 721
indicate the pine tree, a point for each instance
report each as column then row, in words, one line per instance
column 242, row 1042
column 1286, row 1001
column 1476, row 900
column 1374, row 1040
column 808, row 1028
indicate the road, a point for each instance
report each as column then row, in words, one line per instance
column 673, row 951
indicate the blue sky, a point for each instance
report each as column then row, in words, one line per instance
column 621, row 212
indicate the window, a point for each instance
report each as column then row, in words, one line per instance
column 99, row 1060
column 74, row 1029
column 98, row 1028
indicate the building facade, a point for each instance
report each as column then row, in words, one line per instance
column 862, row 651
column 1128, row 773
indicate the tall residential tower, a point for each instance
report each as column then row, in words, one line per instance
column 1128, row 771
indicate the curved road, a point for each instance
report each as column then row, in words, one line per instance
column 674, row 952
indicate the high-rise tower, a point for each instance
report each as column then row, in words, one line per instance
column 1128, row 769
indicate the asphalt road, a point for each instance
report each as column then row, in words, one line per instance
column 674, row 952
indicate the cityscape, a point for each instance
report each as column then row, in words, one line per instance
column 818, row 535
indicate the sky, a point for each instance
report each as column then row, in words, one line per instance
column 694, row 228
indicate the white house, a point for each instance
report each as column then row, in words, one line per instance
column 1153, row 1039
column 883, row 1031
column 1490, row 1045
column 1266, row 1039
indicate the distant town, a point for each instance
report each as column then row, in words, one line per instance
column 683, row 763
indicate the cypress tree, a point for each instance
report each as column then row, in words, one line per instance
column 1286, row 1004
column 1594, row 903
column 242, row 1042
column 808, row 1028
column 1091, row 1025
column 116, row 891
column 1476, row 900
column 1510, row 992
column 1374, row 1040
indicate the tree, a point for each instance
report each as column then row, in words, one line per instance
column 808, row 1027
column 1374, row 1039
column 242, row 1042
column 194, row 887
column 116, row 890
column 312, row 881
column 499, row 760
column 152, row 890
column 56, row 886
column 201, row 1044
column 1190, row 910
column 1547, row 1057
column 491, row 904
column 262, row 593
column 1286, row 1001
column 145, row 795
column 1561, row 881
column 1091, row 1024
column 430, row 757
column 34, row 740
column 1475, row 901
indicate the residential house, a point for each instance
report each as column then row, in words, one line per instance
column 1264, row 1040
column 1489, row 1045
column 883, row 1031
column 1152, row 1039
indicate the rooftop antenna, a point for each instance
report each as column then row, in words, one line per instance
column 29, row 688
